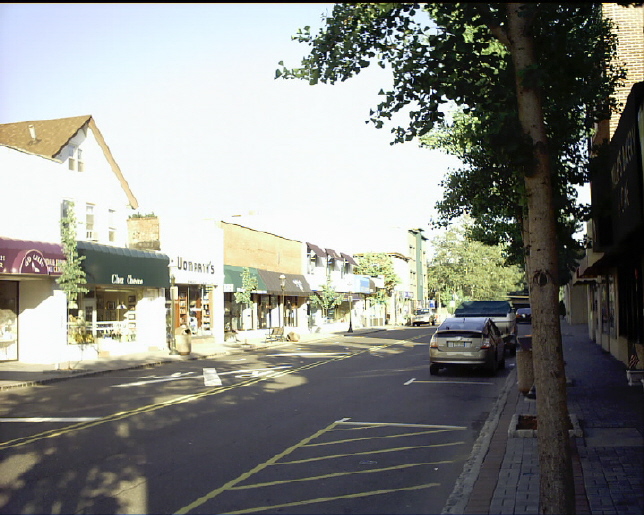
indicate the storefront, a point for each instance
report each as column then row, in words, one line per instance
column 124, row 310
column 287, row 295
column 31, row 304
column 238, row 317
column 199, row 300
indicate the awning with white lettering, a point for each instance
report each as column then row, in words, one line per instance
column 294, row 284
column 30, row 257
column 124, row 267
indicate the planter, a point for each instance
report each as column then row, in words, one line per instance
column 525, row 426
column 634, row 377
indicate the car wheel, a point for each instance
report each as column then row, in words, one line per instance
column 433, row 369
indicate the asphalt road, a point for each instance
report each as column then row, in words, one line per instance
column 354, row 424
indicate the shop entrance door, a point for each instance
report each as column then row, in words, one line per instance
column 8, row 320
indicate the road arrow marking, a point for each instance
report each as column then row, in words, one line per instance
column 210, row 377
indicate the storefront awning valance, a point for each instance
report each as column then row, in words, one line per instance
column 30, row 257
column 234, row 282
column 294, row 284
column 317, row 250
column 124, row 267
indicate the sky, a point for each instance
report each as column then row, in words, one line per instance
column 186, row 98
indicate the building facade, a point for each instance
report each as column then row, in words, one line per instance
column 55, row 168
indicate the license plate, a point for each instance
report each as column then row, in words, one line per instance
column 459, row 344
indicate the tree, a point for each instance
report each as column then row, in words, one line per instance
column 374, row 264
column 72, row 276
column 245, row 296
column 470, row 270
column 482, row 57
column 249, row 285
column 327, row 298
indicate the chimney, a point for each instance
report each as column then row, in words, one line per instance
column 32, row 132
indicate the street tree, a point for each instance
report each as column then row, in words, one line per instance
column 326, row 298
column 473, row 55
column 465, row 269
column 375, row 264
column 72, row 278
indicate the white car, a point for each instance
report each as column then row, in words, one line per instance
column 423, row 316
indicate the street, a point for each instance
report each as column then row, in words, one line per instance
column 351, row 424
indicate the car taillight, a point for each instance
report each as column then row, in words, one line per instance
column 486, row 343
column 433, row 343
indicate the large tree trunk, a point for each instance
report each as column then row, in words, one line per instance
column 557, row 494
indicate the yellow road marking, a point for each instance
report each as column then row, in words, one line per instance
column 18, row 442
column 256, row 469
column 327, row 499
column 396, row 449
column 338, row 474
column 378, row 437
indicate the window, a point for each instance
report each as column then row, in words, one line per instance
column 111, row 225
column 65, row 208
column 90, row 233
column 75, row 158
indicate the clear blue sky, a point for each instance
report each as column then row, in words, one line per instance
column 186, row 99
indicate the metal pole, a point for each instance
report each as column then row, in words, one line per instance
column 350, row 316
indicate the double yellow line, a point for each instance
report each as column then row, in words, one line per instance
column 53, row 433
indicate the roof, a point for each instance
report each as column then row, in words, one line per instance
column 51, row 136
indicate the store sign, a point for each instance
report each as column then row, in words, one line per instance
column 24, row 257
column 193, row 271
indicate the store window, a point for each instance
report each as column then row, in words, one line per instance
column 8, row 320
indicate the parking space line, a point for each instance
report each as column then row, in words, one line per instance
column 369, row 453
column 327, row 499
column 456, row 382
column 340, row 474
column 346, row 422
column 253, row 471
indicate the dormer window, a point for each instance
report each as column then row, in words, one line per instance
column 75, row 159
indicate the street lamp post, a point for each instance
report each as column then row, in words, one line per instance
column 282, row 284
column 350, row 315
column 174, row 294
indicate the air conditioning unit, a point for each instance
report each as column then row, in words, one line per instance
column 91, row 236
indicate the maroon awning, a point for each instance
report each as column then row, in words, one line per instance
column 30, row 257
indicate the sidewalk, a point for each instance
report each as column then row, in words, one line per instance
column 608, row 460
column 14, row 374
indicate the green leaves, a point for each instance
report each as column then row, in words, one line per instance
column 72, row 276
column 249, row 285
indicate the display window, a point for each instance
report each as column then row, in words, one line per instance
column 8, row 320
column 104, row 313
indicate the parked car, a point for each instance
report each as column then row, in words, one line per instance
column 500, row 311
column 423, row 316
column 524, row 315
column 468, row 341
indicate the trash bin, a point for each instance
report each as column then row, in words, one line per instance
column 525, row 370
column 183, row 340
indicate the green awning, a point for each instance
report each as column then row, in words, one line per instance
column 233, row 279
column 124, row 267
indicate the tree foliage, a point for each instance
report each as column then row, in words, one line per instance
column 327, row 298
column 442, row 55
column 374, row 264
column 72, row 278
column 465, row 269
column 249, row 285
